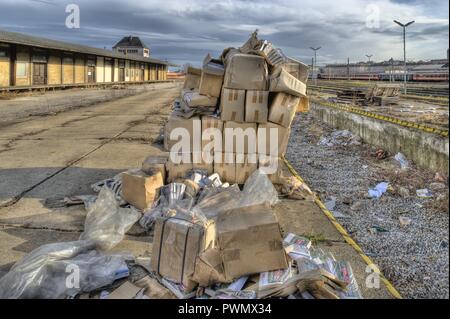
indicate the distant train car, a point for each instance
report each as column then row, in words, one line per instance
column 430, row 77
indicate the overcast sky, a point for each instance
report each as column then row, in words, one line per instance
column 186, row 30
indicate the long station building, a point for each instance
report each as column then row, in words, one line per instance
column 29, row 61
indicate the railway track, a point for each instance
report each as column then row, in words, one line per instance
column 329, row 87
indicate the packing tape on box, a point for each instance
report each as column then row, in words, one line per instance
column 346, row 236
column 389, row 119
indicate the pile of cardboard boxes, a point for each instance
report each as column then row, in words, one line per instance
column 208, row 232
column 243, row 89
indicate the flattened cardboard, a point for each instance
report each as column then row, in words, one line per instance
column 283, row 108
column 245, row 72
column 140, row 189
column 270, row 148
column 245, row 166
column 125, row 291
column 232, row 105
column 176, row 245
column 256, row 106
column 282, row 81
column 225, row 166
column 246, row 132
column 250, row 241
column 194, row 99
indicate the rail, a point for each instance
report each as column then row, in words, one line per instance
column 393, row 120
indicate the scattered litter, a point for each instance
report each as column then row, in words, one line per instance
column 404, row 163
column 424, row 193
column 404, row 221
column 125, row 291
column 340, row 138
column 378, row 229
column 86, row 200
column 379, row 190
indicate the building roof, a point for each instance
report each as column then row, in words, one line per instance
column 130, row 41
column 23, row 39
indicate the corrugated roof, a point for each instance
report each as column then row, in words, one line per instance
column 130, row 41
column 23, row 39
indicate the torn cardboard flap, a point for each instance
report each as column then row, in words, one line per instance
column 192, row 80
column 232, row 105
column 250, row 241
column 256, row 106
column 209, row 268
column 283, row 108
column 213, row 66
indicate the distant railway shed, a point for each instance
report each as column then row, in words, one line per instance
column 28, row 61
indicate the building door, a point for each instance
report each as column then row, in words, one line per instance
column 142, row 76
column 39, row 73
column 122, row 75
column 91, row 74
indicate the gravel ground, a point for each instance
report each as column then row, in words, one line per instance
column 414, row 257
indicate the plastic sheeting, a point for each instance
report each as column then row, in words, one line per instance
column 61, row 270
column 106, row 222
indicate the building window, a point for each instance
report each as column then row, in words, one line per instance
column 3, row 53
column 21, row 69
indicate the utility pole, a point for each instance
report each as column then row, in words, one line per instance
column 348, row 69
column 315, row 63
column 368, row 68
column 404, row 26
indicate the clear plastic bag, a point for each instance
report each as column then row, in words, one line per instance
column 61, row 270
column 106, row 222
column 258, row 189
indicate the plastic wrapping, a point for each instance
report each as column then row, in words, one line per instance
column 106, row 222
column 61, row 270
column 258, row 189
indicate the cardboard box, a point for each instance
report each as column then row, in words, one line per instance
column 140, row 189
column 175, row 122
column 297, row 69
column 232, row 105
column 201, row 161
column 210, row 122
column 245, row 166
column 192, row 79
column 250, row 241
column 239, row 137
column 245, row 72
column 157, row 162
column 195, row 99
column 179, row 170
column 264, row 135
column 283, row 108
column 212, row 77
column 303, row 104
column 176, row 245
column 256, row 106
column 282, row 81
column 225, row 166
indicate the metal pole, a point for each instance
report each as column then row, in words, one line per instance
column 315, row 64
column 404, row 57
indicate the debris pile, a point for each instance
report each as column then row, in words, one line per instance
column 211, row 237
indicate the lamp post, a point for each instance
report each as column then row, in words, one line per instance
column 369, row 56
column 404, row 26
column 315, row 63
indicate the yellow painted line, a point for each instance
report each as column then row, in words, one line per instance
column 397, row 121
column 390, row 287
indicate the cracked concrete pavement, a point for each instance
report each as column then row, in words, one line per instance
column 60, row 155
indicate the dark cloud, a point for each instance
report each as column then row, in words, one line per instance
column 184, row 31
